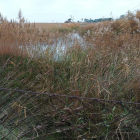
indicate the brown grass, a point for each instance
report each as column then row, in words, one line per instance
column 14, row 34
column 55, row 25
column 108, row 68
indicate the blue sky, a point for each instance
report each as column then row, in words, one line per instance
column 60, row 10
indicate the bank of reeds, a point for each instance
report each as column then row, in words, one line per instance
column 108, row 68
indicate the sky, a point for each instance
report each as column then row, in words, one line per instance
column 52, row 11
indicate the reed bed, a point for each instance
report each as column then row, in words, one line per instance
column 107, row 68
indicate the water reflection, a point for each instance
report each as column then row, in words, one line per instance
column 59, row 46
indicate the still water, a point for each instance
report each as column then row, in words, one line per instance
column 59, row 46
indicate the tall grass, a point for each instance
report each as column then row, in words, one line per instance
column 108, row 68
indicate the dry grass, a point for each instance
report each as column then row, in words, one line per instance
column 55, row 25
column 108, row 68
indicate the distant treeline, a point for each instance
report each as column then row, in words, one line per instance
column 97, row 20
column 90, row 20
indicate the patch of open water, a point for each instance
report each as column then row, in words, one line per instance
column 59, row 46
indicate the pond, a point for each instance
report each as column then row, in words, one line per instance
column 59, row 46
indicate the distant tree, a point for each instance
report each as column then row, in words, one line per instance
column 122, row 16
column 86, row 20
column 68, row 21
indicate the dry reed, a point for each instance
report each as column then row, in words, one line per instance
column 107, row 68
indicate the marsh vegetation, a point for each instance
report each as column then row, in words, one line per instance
column 99, row 60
